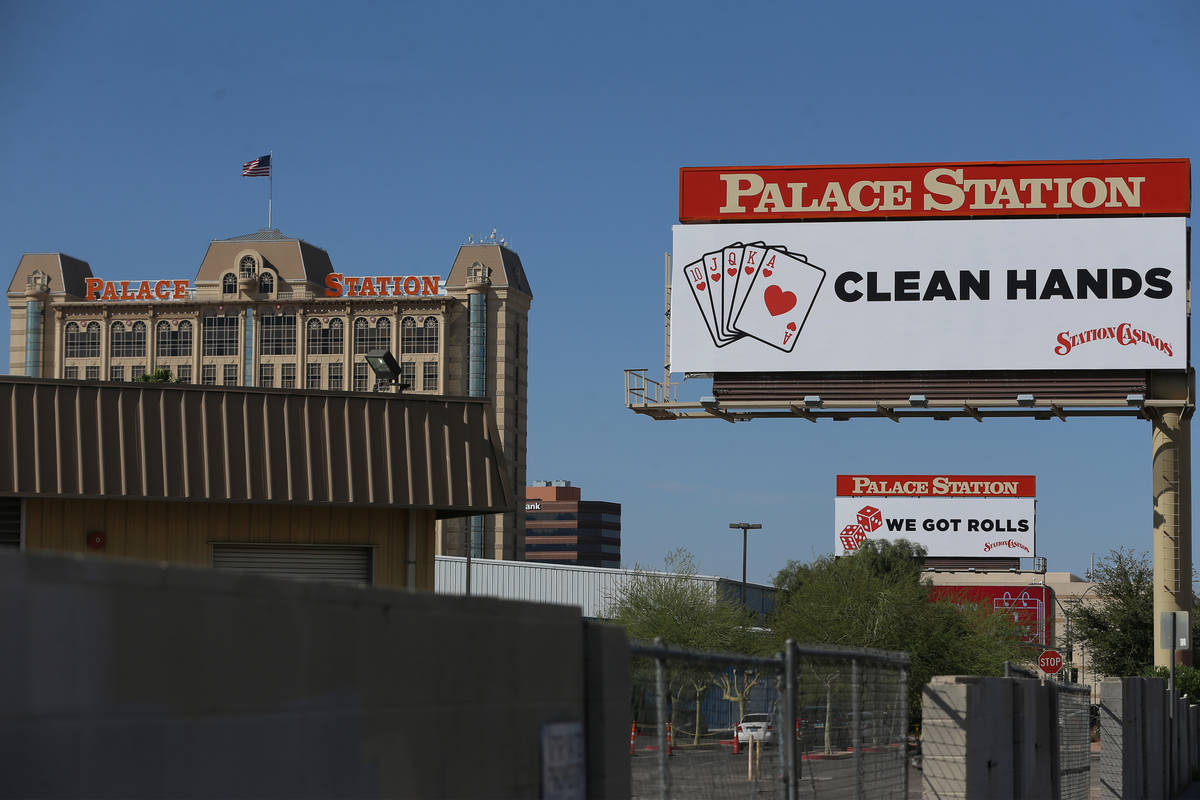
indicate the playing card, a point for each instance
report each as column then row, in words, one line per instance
column 731, row 261
column 715, row 276
column 779, row 299
column 751, row 261
column 697, row 278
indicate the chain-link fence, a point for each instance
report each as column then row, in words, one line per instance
column 814, row 722
column 1074, row 717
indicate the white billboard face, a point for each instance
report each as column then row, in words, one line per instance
column 930, row 295
column 968, row 527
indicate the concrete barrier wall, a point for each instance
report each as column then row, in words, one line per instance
column 122, row 680
column 992, row 738
column 980, row 738
column 1150, row 739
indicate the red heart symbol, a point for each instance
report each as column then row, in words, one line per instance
column 778, row 301
column 700, row 286
column 749, row 270
column 791, row 326
column 716, row 276
column 732, row 271
column 767, row 272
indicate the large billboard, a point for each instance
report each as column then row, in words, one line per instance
column 963, row 516
column 954, row 294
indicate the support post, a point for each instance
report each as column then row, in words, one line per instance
column 660, row 689
column 789, row 727
column 1172, row 529
column 856, row 726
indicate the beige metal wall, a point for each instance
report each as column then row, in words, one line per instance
column 181, row 533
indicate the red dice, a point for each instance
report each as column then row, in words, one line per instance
column 870, row 518
column 852, row 536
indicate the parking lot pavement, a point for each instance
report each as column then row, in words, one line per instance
column 714, row 772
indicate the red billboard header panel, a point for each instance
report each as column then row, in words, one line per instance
column 936, row 485
column 1135, row 187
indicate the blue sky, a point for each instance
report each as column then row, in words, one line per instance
column 400, row 128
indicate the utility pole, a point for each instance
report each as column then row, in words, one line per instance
column 745, row 527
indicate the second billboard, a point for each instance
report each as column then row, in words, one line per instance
column 974, row 516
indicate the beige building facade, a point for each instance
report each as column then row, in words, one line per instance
column 270, row 311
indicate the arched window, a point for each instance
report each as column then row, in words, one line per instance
column 162, row 338
column 82, row 344
column 138, row 339
column 421, row 338
column 367, row 338
column 361, row 331
column 127, row 343
column 266, row 282
column 229, row 284
column 408, row 335
column 326, row 341
column 247, row 266
column 431, row 334
column 176, row 342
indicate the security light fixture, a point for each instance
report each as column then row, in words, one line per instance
column 1138, row 400
column 1025, row 399
column 386, row 369
column 708, row 401
column 812, row 400
column 918, row 400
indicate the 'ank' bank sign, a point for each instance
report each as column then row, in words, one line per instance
column 949, row 515
column 946, row 294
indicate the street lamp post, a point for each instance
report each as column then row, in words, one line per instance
column 1076, row 602
column 745, row 526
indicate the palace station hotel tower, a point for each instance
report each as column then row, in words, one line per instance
column 271, row 311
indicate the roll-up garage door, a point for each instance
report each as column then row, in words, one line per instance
column 340, row 564
column 10, row 522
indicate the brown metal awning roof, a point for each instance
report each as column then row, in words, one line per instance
column 226, row 444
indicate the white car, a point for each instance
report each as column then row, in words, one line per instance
column 760, row 727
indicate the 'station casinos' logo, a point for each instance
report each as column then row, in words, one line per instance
column 755, row 290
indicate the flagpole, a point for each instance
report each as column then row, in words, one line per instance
column 270, row 187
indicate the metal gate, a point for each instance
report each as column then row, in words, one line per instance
column 816, row 721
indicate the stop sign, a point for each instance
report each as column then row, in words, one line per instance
column 1050, row 661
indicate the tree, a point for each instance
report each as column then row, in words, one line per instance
column 160, row 375
column 1187, row 679
column 879, row 598
column 1118, row 629
column 686, row 613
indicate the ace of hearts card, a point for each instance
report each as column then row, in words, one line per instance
column 778, row 300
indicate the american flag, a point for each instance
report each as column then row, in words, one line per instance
column 257, row 168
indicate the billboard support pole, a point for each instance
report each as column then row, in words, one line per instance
column 667, row 321
column 1172, row 531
